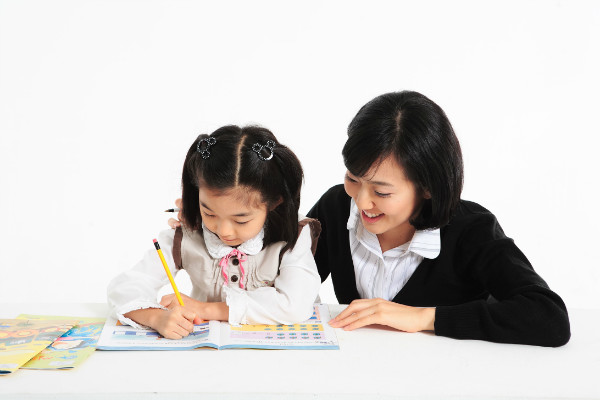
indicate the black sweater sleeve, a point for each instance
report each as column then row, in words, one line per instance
column 522, row 309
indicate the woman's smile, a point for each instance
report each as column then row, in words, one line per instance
column 371, row 218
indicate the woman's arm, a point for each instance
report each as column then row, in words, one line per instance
column 522, row 309
column 378, row 311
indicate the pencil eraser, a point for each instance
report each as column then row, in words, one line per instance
column 154, row 240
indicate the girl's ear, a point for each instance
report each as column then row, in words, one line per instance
column 276, row 204
column 426, row 194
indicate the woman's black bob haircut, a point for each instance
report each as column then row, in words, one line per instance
column 236, row 157
column 417, row 133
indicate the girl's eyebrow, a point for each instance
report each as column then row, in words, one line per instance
column 205, row 206
column 244, row 214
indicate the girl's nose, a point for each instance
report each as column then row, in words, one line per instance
column 224, row 230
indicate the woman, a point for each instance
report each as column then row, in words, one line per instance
column 405, row 251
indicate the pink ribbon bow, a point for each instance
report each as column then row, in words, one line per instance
column 224, row 263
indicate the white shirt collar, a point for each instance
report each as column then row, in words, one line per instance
column 426, row 243
column 217, row 249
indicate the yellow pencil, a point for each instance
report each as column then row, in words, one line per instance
column 164, row 263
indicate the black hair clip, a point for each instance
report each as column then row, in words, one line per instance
column 258, row 148
column 204, row 145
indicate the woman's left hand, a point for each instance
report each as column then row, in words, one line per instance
column 378, row 311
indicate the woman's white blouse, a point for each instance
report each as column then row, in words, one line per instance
column 383, row 275
column 289, row 301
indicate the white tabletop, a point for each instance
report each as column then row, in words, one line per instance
column 372, row 363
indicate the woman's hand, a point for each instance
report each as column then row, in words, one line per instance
column 176, row 223
column 378, row 311
column 203, row 310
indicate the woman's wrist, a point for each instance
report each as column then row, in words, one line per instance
column 428, row 319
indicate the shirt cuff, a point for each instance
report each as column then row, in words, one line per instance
column 237, row 301
column 132, row 306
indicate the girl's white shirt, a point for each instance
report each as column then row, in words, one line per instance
column 289, row 301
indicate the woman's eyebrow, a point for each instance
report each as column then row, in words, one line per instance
column 381, row 183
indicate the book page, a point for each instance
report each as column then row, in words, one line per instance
column 116, row 336
column 313, row 334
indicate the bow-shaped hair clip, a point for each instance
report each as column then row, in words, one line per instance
column 258, row 148
column 203, row 146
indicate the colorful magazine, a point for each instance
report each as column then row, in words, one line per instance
column 22, row 339
column 313, row 334
column 72, row 348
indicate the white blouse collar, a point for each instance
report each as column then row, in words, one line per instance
column 217, row 249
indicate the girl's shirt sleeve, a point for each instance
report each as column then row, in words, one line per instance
column 138, row 287
column 291, row 298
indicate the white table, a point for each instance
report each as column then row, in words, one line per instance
column 372, row 363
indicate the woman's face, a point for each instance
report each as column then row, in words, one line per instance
column 385, row 198
column 234, row 216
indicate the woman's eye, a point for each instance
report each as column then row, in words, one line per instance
column 350, row 179
column 207, row 215
column 241, row 222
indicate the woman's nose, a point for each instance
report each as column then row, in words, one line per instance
column 363, row 200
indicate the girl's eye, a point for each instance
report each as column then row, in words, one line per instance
column 382, row 194
column 241, row 222
column 207, row 215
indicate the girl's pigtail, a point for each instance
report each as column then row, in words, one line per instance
column 189, row 186
column 292, row 176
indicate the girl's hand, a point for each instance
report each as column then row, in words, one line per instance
column 176, row 223
column 174, row 323
column 170, row 301
column 203, row 310
column 378, row 311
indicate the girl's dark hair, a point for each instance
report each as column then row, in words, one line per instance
column 416, row 131
column 233, row 161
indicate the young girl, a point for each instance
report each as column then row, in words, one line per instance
column 404, row 250
column 246, row 251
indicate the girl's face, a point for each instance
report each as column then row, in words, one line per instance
column 235, row 216
column 386, row 200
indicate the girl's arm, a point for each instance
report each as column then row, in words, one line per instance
column 138, row 287
column 290, row 300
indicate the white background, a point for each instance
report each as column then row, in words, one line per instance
column 100, row 100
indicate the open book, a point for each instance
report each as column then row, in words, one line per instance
column 313, row 334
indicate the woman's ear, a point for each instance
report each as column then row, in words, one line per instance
column 426, row 194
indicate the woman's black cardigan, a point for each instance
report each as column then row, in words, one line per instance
column 482, row 286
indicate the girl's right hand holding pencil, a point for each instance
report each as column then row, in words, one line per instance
column 175, row 323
